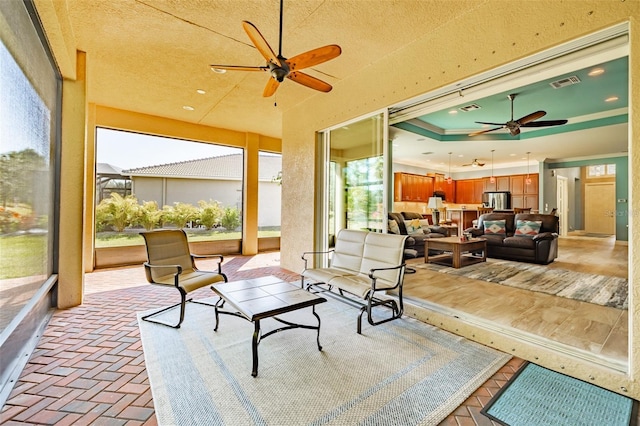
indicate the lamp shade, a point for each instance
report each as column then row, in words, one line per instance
column 435, row 203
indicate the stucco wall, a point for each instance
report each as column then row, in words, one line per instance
column 491, row 34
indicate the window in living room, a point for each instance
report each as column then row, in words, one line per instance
column 269, row 194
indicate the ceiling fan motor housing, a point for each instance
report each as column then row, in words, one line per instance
column 279, row 72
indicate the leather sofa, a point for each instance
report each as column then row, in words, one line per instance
column 541, row 246
column 415, row 241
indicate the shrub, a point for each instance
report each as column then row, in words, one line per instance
column 149, row 215
column 117, row 211
column 180, row 214
column 210, row 213
column 230, row 218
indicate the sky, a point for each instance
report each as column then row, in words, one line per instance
column 132, row 150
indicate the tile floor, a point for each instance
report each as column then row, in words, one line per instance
column 597, row 332
column 88, row 367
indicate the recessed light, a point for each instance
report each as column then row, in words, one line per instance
column 611, row 99
column 200, row 91
column 453, row 111
column 460, row 155
column 218, row 70
column 596, row 71
column 188, row 108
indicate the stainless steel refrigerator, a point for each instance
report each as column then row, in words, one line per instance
column 498, row 200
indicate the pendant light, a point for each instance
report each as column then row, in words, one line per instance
column 493, row 178
column 449, row 180
column 528, row 179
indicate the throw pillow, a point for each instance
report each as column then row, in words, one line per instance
column 412, row 226
column 393, row 227
column 495, row 227
column 424, row 224
column 527, row 228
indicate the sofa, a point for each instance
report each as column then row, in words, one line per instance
column 417, row 228
column 523, row 237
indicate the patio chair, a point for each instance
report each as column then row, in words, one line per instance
column 170, row 263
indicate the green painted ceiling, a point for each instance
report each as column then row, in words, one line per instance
column 583, row 104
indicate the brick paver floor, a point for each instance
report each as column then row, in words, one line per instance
column 88, row 367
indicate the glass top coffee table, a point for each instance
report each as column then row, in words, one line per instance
column 457, row 253
column 266, row 297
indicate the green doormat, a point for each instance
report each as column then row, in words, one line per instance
column 537, row 396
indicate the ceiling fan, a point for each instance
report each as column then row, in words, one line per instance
column 514, row 125
column 280, row 67
column 474, row 163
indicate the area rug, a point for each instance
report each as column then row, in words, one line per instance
column 403, row 372
column 537, row 396
column 598, row 289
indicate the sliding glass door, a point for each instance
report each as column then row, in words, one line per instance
column 353, row 164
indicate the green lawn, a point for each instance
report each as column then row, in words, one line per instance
column 23, row 256
column 26, row 255
column 118, row 239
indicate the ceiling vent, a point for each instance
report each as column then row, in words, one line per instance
column 470, row 107
column 565, row 82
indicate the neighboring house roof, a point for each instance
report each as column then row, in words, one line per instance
column 224, row 167
column 108, row 169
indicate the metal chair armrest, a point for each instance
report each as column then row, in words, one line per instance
column 148, row 267
column 373, row 271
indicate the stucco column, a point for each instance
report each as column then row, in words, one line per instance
column 72, row 178
column 90, row 190
column 250, row 196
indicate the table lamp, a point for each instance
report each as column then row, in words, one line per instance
column 435, row 203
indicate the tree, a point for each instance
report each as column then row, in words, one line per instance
column 18, row 176
column 230, row 218
column 210, row 213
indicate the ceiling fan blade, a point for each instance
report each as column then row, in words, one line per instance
column 533, row 116
column 545, row 123
column 491, row 124
column 314, row 57
column 271, row 87
column 480, row 132
column 309, row 81
column 260, row 43
column 238, row 68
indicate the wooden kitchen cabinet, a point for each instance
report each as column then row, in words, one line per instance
column 516, row 185
column 412, row 187
column 469, row 191
column 440, row 184
column 531, row 188
column 503, row 183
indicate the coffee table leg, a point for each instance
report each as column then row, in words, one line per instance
column 254, row 347
column 313, row 309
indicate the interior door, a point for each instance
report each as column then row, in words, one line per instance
column 599, row 208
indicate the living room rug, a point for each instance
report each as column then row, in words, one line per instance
column 537, row 396
column 403, row 372
column 598, row 289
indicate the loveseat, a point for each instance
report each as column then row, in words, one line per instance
column 417, row 228
column 523, row 237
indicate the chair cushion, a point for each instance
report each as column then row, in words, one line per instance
column 519, row 242
column 324, row 275
column 191, row 281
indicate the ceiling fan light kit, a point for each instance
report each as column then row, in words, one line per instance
column 280, row 67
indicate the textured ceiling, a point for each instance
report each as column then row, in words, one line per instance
column 151, row 56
